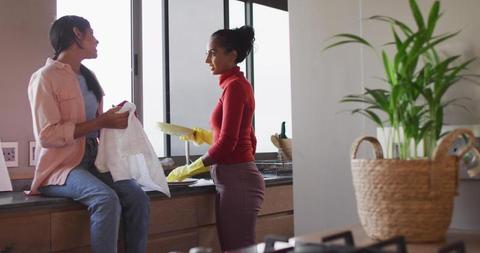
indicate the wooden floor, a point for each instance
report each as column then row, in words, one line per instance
column 470, row 238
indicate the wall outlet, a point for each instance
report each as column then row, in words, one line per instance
column 10, row 153
column 32, row 155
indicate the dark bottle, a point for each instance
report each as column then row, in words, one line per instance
column 282, row 132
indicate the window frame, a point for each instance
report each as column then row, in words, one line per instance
column 249, row 60
column 137, row 82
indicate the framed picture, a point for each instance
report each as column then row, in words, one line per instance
column 32, row 158
column 10, row 153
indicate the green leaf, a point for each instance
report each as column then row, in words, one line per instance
column 398, row 41
column 395, row 97
column 424, row 129
column 452, row 78
column 371, row 115
column 349, row 38
column 440, row 70
column 388, row 44
column 433, row 18
column 380, row 96
column 417, row 14
column 339, row 43
column 405, row 29
column 438, row 122
column 411, row 62
column 388, row 69
column 402, row 55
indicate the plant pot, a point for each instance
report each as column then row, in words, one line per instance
column 413, row 198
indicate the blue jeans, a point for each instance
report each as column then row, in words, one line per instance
column 107, row 201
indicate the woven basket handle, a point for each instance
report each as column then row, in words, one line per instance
column 372, row 140
column 441, row 150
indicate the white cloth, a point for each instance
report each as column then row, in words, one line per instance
column 128, row 154
column 5, row 183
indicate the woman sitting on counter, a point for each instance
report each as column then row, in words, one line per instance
column 239, row 185
column 66, row 103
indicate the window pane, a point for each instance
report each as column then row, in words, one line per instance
column 113, row 65
column 236, row 13
column 272, row 74
column 152, row 46
column 237, row 19
column 194, row 91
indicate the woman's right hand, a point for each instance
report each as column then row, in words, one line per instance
column 198, row 136
column 112, row 119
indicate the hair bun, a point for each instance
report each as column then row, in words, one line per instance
column 239, row 39
column 247, row 32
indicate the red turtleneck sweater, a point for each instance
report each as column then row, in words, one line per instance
column 233, row 136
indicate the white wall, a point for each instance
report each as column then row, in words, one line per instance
column 323, row 192
column 24, row 47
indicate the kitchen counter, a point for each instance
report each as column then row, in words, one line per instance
column 10, row 201
column 186, row 220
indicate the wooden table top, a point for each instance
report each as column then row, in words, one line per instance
column 469, row 237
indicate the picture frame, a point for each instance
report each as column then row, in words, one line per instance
column 10, row 153
column 32, row 159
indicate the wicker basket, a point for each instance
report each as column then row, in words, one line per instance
column 284, row 147
column 413, row 198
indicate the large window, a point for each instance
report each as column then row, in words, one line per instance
column 271, row 74
column 271, row 69
column 113, row 65
column 193, row 91
column 236, row 16
column 152, row 73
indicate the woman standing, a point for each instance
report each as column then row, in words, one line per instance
column 66, row 103
column 239, row 184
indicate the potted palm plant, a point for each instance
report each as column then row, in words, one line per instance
column 411, row 195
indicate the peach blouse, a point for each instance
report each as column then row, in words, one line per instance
column 57, row 106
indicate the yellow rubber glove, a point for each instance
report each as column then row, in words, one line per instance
column 182, row 172
column 199, row 136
